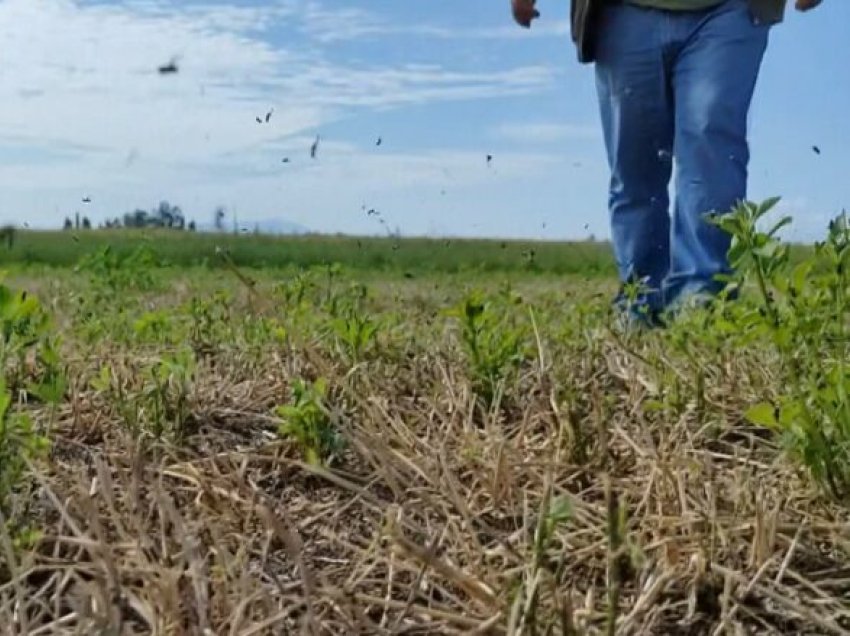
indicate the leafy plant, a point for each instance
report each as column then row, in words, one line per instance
column 30, row 363
column 109, row 383
column 29, row 358
column 293, row 292
column 526, row 595
column 529, row 259
column 307, row 422
column 356, row 333
column 19, row 443
column 49, row 381
column 158, row 407
column 340, row 302
column 154, row 326
column 167, row 394
column 802, row 310
column 111, row 270
column 209, row 319
column 494, row 348
column 557, row 512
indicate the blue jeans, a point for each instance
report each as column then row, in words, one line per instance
column 674, row 91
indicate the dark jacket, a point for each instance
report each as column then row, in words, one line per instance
column 584, row 14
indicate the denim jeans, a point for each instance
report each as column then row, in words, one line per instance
column 674, row 92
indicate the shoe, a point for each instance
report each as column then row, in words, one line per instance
column 690, row 304
column 638, row 319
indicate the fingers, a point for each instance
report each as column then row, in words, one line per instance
column 806, row 5
column 524, row 12
column 525, row 19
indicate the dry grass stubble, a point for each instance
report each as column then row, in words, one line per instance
column 430, row 522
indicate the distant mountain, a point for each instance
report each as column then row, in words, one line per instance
column 266, row 226
column 279, row 226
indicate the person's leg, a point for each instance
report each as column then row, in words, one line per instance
column 637, row 118
column 713, row 79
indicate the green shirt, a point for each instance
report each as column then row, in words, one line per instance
column 677, row 5
column 765, row 11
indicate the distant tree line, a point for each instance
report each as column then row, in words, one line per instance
column 164, row 216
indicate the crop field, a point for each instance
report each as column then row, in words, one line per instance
column 317, row 436
column 369, row 255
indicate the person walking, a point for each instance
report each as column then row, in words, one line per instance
column 674, row 79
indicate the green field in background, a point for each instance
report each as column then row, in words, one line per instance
column 414, row 255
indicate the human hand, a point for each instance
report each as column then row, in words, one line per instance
column 806, row 5
column 524, row 12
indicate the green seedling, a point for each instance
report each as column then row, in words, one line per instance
column 494, row 348
column 802, row 311
column 356, row 334
column 110, row 271
column 554, row 513
column 19, row 444
column 209, row 322
column 156, row 402
column 26, row 334
column 166, row 395
column 154, row 326
column 307, row 422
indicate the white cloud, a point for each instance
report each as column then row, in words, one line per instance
column 85, row 110
column 798, row 207
column 453, row 190
column 86, row 75
column 545, row 132
column 330, row 26
column 92, row 80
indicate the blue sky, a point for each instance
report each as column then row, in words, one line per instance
column 444, row 83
